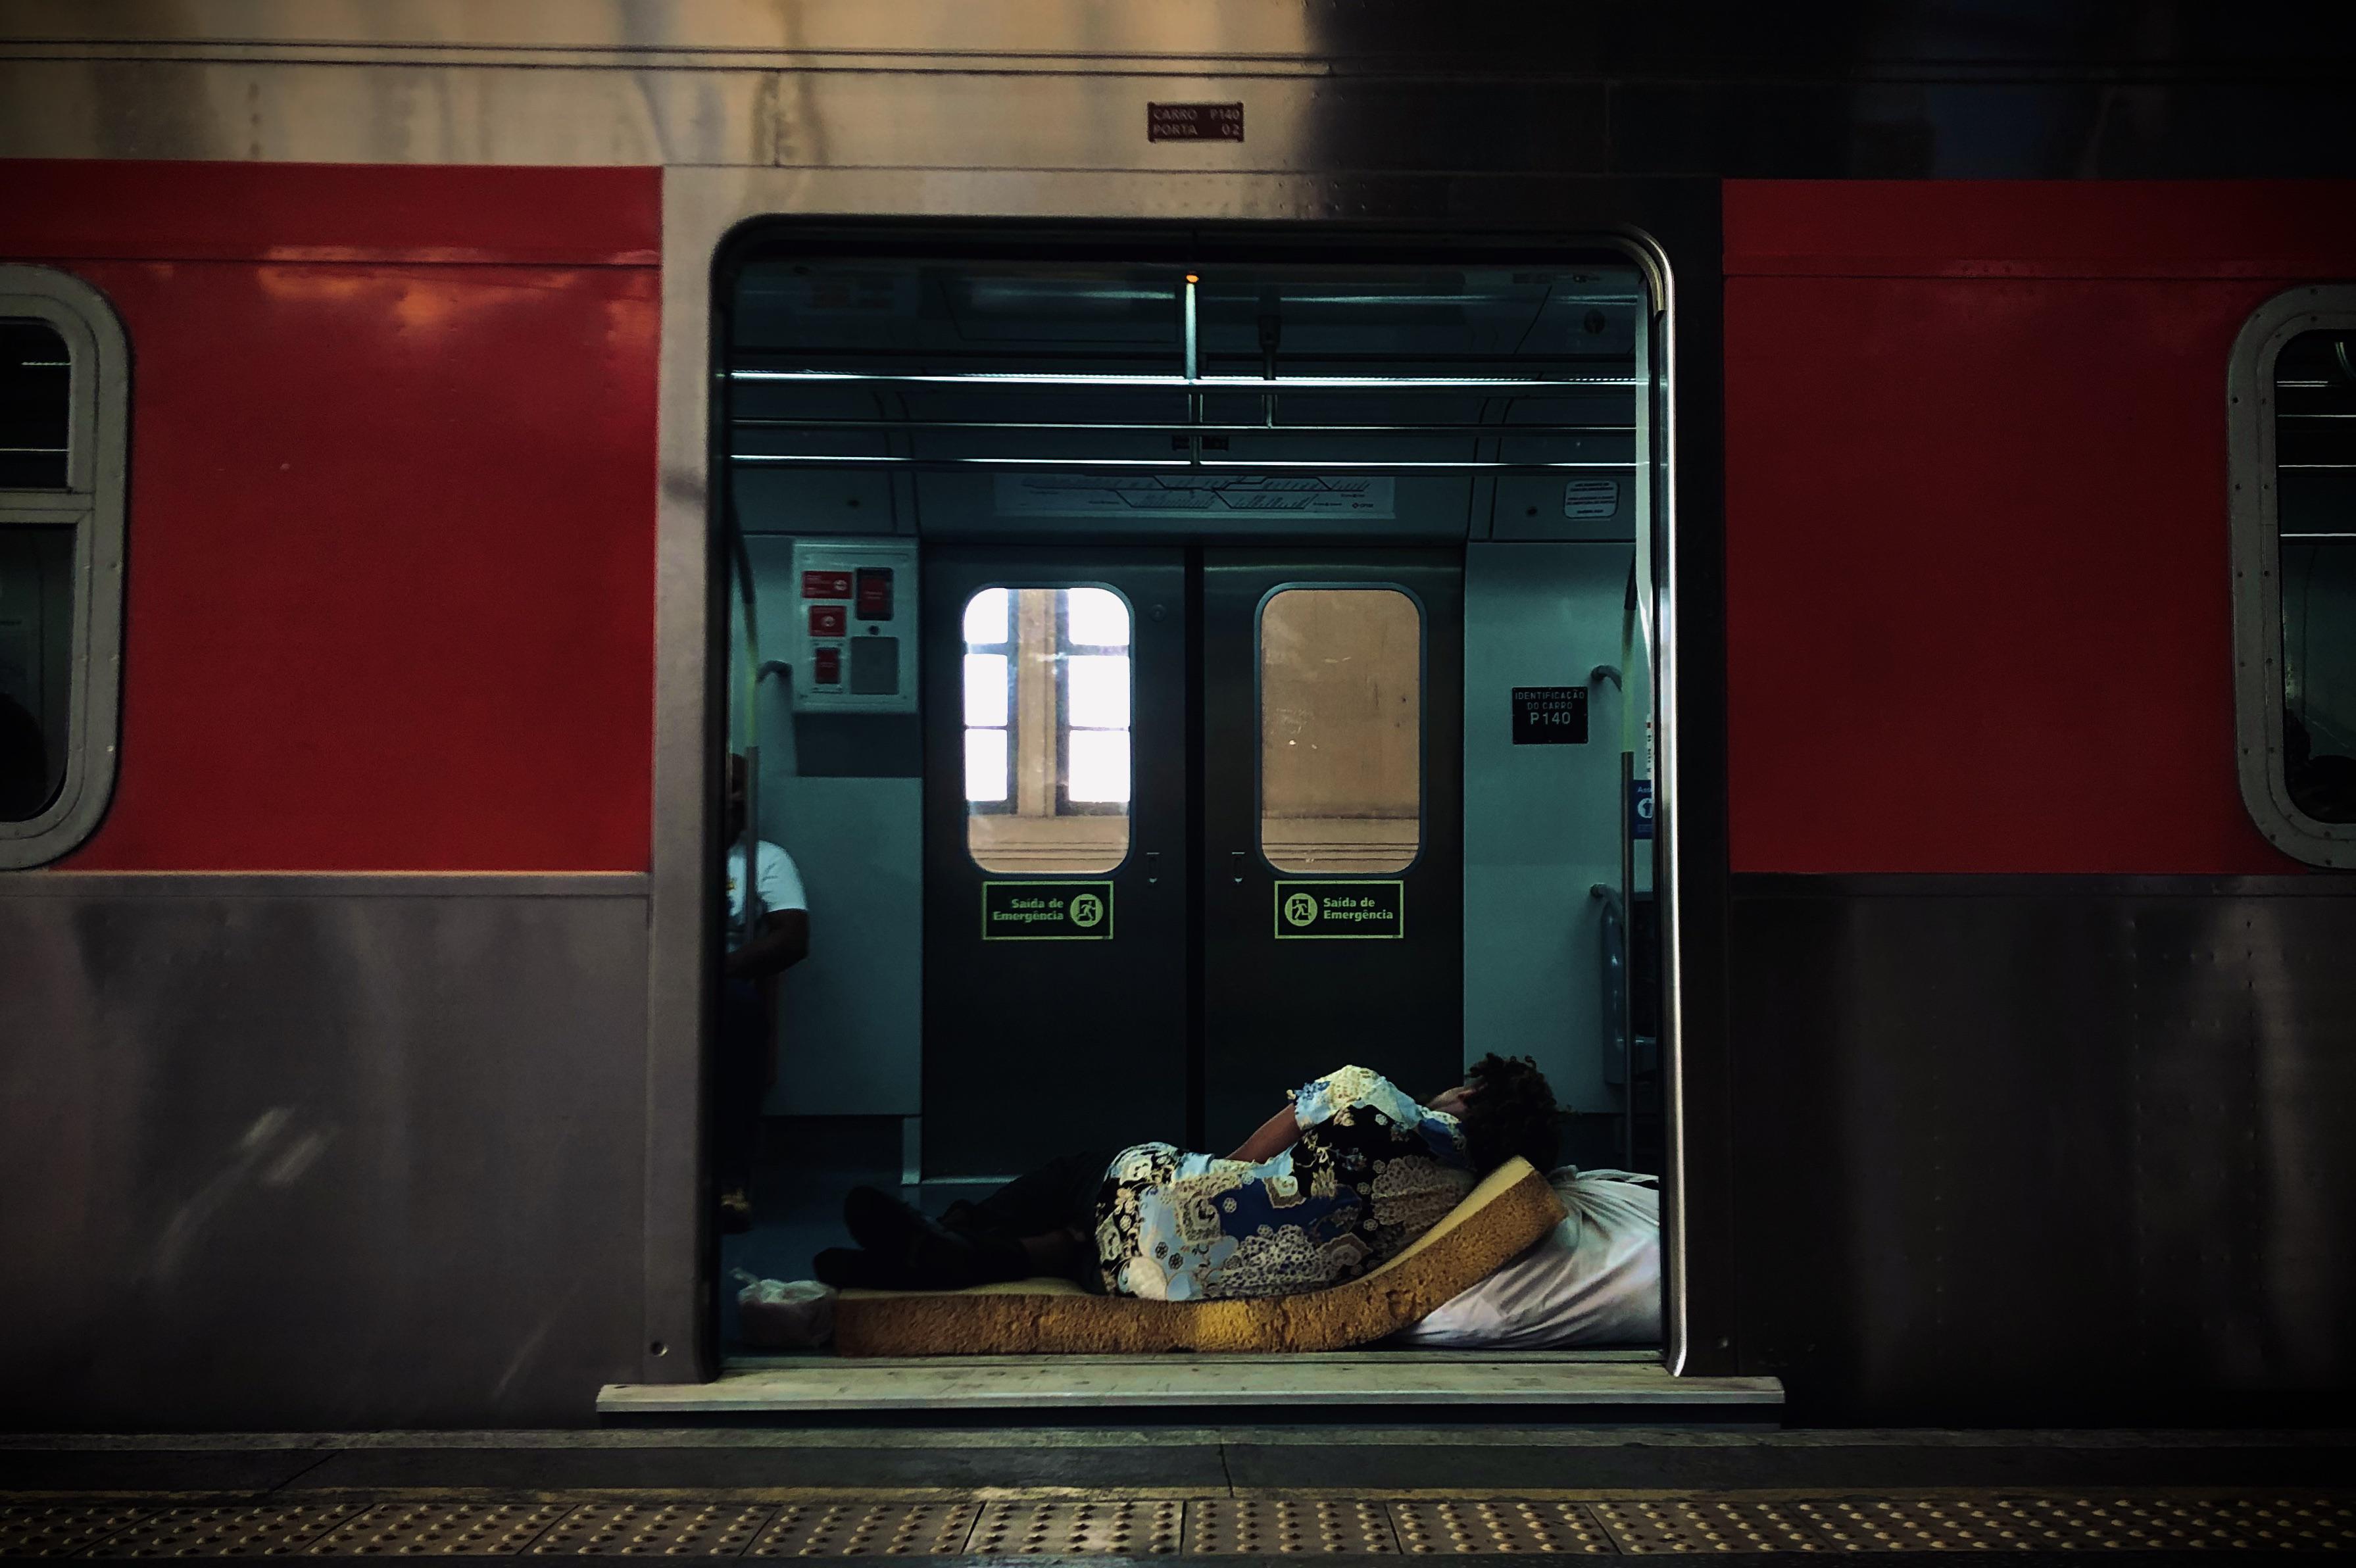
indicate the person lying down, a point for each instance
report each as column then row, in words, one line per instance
column 1340, row 1179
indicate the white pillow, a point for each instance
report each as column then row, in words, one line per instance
column 1594, row 1280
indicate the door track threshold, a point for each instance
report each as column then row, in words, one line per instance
column 1565, row 1383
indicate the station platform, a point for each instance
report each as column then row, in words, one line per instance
column 1114, row 1495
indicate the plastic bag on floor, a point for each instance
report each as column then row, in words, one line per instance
column 784, row 1315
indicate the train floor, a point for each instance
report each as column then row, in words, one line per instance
column 1110, row 1495
column 807, row 1168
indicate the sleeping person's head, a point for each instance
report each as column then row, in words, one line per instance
column 1505, row 1109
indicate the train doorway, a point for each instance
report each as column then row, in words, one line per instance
column 1178, row 678
column 1192, row 816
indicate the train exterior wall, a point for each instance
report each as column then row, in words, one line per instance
column 329, row 1068
column 322, row 1064
column 2043, row 1065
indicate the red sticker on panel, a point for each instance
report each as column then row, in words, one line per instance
column 875, row 593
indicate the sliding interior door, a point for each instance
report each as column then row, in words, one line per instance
column 1056, row 814
column 1332, row 875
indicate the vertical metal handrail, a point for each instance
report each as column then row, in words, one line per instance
column 742, row 558
column 1630, row 614
column 1612, row 965
column 1627, row 958
column 1192, row 369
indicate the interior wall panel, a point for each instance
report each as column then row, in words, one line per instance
column 1542, row 822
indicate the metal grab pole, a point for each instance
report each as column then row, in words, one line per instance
column 1628, row 956
column 1192, row 366
column 1630, row 613
column 741, row 559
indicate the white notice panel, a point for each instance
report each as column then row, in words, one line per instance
column 1194, row 496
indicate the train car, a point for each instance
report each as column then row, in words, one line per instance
column 1799, row 572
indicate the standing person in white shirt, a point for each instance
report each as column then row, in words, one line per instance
column 748, row 1000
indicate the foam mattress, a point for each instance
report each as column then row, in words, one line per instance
column 1512, row 1209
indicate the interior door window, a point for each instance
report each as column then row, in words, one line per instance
column 1341, row 705
column 1047, row 698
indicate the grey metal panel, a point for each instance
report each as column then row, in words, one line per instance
column 1541, row 823
column 1905, row 90
column 685, row 852
column 1901, row 41
column 2051, row 1148
column 761, row 32
column 215, row 884
column 136, row 108
column 992, row 113
column 281, row 1154
column 572, row 115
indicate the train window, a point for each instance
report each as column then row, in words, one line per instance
column 2292, row 404
column 35, row 406
column 1340, row 725
column 64, row 381
column 2315, row 453
column 1047, row 692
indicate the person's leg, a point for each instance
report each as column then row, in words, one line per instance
column 853, row 1268
column 1024, row 1229
column 1042, row 1201
column 898, row 1241
column 1051, row 1214
column 1057, row 1254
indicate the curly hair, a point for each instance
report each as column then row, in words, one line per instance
column 1510, row 1111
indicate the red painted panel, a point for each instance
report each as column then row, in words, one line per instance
column 391, row 559
column 171, row 212
column 2271, row 229
column 1979, row 610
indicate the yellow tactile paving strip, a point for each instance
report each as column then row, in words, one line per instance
column 998, row 1525
column 1244, row 1527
